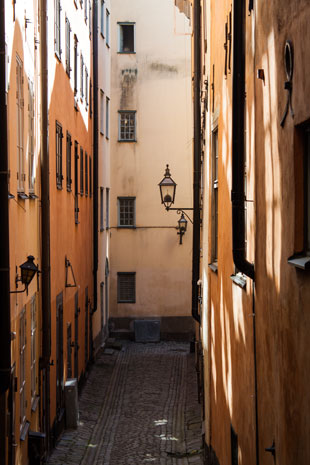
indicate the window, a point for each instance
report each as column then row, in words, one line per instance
column 107, row 117
column 101, row 209
column 86, row 174
column 107, row 28
column 215, row 196
column 126, row 38
column 82, row 77
column 76, row 180
column 85, row 11
column 81, row 171
column 75, row 64
column 90, row 98
column 90, row 19
column 68, row 31
column 102, row 18
column 59, row 176
column 31, row 160
column 90, row 177
column 86, row 87
column 127, row 126
column 57, row 29
column 22, row 367
column 126, row 287
column 107, row 205
column 20, row 124
column 69, row 145
column 101, row 111
column 33, row 364
column 301, row 257
column 126, row 212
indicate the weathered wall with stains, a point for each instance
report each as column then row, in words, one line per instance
column 275, row 232
column 155, row 81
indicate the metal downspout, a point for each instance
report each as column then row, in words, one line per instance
column 197, row 161
column 5, row 322
column 95, row 136
column 238, row 104
column 45, row 206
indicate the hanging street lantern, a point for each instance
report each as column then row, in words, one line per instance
column 28, row 271
column 182, row 222
column 167, row 188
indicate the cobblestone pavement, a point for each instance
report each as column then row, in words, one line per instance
column 139, row 406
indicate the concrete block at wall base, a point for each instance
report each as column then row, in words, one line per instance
column 180, row 328
column 72, row 403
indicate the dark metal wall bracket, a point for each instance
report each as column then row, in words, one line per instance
column 288, row 85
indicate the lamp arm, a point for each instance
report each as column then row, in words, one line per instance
column 18, row 292
column 181, row 210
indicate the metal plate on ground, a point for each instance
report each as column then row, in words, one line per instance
column 147, row 330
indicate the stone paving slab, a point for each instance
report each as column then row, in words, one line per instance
column 139, row 406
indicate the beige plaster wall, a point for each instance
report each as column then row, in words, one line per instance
column 156, row 82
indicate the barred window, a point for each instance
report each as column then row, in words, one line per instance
column 81, row 171
column 68, row 30
column 69, row 145
column 127, row 126
column 59, row 136
column 57, row 29
column 126, row 287
column 126, row 212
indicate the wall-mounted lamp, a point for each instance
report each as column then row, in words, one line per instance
column 70, row 280
column 28, row 270
column 182, row 222
column 167, row 188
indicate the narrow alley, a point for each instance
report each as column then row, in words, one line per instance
column 138, row 406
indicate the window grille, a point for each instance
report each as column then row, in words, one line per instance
column 127, row 125
column 126, row 211
column 86, row 174
column 81, row 171
column 126, row 287
column 59, row 136
column 69, row 145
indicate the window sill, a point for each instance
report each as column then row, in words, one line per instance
column 239, row 279
column 11, row 196
column 35, row 403
column 24, row 430
column 126, row 227
column 101, row 229
column 59, row 187
column 58, row 56
column 33, row 196
column 22, row 196
column 102, row 35
column 127, row 140
column 126, row 53
column 213, row 267
column 300, row 261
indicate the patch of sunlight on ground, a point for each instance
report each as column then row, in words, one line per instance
column 160, row 422
column 149, row 458
column 92, row 445
column 163, row 437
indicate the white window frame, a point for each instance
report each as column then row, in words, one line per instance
column 58, row 29
column 101, row 208
column 101, row 112
column 102, row 16
column 107, row 117
column 215, row 196
column 123, row 134
column 33, row 364
column 107, row 217
column 107, row 27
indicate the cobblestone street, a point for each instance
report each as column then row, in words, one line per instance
column 138, row 406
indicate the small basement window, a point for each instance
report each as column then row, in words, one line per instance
column 126, row 38
column 126, row 287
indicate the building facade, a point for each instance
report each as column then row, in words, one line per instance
column 150, row 127
column 255, row 289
